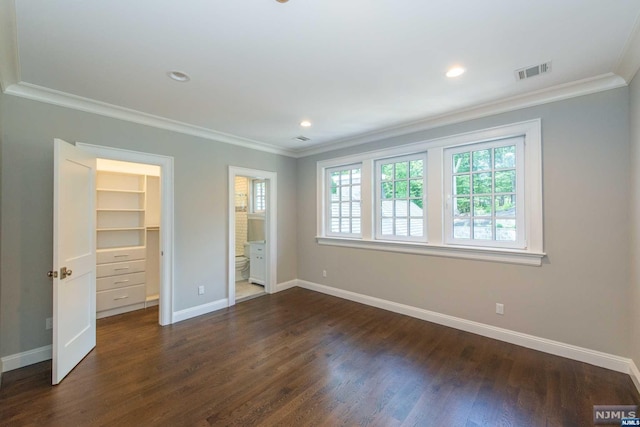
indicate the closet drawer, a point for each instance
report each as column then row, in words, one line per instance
column 119, row 255
column 115, row 298
column 117, row 268
column 120, row 281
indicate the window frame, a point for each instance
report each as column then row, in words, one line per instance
column 448, row 152
column 530, row 254
column 327, row 213
column 378, row 198
column 253, row 197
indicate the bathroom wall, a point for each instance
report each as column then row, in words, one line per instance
column 256, row 229
column 242, row 204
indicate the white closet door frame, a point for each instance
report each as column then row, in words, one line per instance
column 166, row 306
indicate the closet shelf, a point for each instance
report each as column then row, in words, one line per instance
column 115, row 190
column 121, row 229
column 118, row 210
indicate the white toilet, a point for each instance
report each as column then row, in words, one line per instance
column 242, row 264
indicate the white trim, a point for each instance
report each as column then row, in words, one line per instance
column 377, row 200
column 557, row 93
column 634, row 373
column 581, row 354
column 199, row 310
column 286, row 285
column 9, row 62
column 436, row 199
column 166, row 218
column 597, row 358
column 26, row 358
column 509, row 256
column 629, row 61
column 54, row 97
column 271, row 231
column 519, row 192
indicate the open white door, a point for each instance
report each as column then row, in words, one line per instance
column 74, row 258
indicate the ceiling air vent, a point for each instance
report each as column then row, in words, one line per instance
column 527, row 73
column 302, row 138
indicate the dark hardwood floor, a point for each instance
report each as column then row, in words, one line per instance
column 300, row 358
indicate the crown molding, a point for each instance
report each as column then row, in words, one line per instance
column 544, row 96
column 629, row 61
column 50, row 96
column 9, row 63
column 625, row 69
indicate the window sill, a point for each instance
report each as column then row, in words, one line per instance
column 509, row 256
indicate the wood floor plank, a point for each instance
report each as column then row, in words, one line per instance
column 300, row 358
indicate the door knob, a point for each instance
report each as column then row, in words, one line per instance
column 64, row 273
column 52, row 274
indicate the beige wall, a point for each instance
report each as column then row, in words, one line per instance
column 200, row 177
column 579, row 294
column 634, row 300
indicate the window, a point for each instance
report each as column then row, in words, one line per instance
column 258, row 196
column 344, row 201
column 483, row 185
column 483, row 188
column 400, row 200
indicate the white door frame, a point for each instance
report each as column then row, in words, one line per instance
column 271, row 236
column 166, row 217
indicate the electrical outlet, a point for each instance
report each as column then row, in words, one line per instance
column 499, row 308
column 324, row 273
column 48, row 324
column 200, row 290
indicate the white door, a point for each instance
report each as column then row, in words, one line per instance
column 74, row 258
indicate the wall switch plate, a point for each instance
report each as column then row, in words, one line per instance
column 324, row 273
column 48, row 324
column 200, row 290
column 499, row 308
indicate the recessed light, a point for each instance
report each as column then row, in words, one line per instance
column 179, row 76
column 305, row 123
column 455, row 71
column 282, row 1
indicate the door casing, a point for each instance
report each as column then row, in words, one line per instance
column 166, row 303
column 271, row 237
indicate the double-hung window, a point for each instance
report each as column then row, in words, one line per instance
column 476, row 195
column 258, row 196
column 484, row 186
column 400, row 198
column 344, row 204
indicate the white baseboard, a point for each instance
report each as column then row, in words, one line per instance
column 179, row 316
column 593, row 357
column 26, row 358
column 286, row 285
column 597, row 358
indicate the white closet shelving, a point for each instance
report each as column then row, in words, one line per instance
column 120, row 210
column 121, row 217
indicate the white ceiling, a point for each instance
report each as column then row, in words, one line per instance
column 358, row 69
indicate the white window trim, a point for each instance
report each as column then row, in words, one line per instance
column 327, row 217
column 252, row 196
column 521, row 207
column 436, row 246
column 378, row 198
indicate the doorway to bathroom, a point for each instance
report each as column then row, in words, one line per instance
column 252, row 248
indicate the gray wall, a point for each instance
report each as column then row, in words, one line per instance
column 579, row 294
column 634, row 300
column 200, row 209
